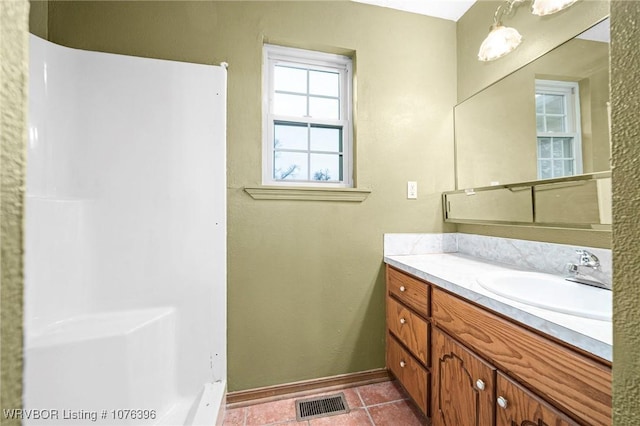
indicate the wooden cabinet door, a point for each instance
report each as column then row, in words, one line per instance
column 519, row 407
column 464, row 385
column 413, row 376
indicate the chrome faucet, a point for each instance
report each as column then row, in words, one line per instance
column 587, row 270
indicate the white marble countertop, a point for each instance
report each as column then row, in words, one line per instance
column 457, row 273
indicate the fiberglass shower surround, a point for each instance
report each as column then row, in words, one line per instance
column 125, row 238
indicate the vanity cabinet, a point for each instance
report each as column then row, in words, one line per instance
column 408, row 330
column 476, row 367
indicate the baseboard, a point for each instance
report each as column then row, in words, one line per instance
column 306, row 387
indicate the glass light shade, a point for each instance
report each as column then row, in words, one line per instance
column 500, row 41
column 547, row 7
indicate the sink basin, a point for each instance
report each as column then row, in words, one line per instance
column 550, row 292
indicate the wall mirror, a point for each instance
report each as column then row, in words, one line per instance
column 547, row 120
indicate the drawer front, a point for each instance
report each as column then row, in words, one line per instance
column 576, row 384
column 410, row 291
column 521, row 407
column 409, row 328
column 413, row 377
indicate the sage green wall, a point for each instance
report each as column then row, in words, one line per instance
column 625, row 84
column 13, row 107
column 39, row 18
column 306, row 282
column 540, row 35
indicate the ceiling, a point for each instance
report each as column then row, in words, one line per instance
column 446, row 9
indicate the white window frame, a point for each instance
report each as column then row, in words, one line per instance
column 570, row 90
column 278, row 55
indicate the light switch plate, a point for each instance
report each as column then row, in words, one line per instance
column 412, row 190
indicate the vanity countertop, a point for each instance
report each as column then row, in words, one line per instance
column 457, row 273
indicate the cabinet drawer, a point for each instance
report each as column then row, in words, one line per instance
column 413, row 377
column 521, row 407
column 410, row 291
column 575, row 383
column 409, row 328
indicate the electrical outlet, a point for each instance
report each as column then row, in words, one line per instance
column 412, row 190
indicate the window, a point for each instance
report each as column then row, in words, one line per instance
column 307, row 118
column 558, row 129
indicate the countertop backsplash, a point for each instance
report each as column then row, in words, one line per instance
column 533, row 255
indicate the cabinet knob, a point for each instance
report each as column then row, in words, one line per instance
column 403, row 321
column 502, row 402
column 402, row 288
column 403, row 364
column 480, row 384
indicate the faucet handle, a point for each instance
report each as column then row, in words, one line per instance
column 588, row 259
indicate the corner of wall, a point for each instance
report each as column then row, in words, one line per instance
column 625, row 128
column 13, row 98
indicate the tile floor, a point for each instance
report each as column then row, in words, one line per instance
column 380, row 404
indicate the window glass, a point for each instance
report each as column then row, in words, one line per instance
column 290, row 136
column 288, row 79
column 324, row 83
column 326, row 139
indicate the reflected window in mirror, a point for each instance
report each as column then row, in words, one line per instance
column 558, row 129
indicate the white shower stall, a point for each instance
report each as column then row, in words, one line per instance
column 125, row 240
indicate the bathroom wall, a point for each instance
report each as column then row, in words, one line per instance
column 14, row 72
column 306, row 283
column 625, row 131
column 540, row 35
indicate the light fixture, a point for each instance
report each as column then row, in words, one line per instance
column 500, row 41
column 503, row 40
column 547, row 7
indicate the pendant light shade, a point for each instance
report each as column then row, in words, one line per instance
column 547, row 7
column 500, row 41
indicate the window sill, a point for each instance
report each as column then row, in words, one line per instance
column 307, row 194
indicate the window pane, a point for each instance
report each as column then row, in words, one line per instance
column 568, row 147
column 326, row 167
column 545, row 169
column 290, row 165
column 557, row 148
column 326, row 139
column 287, row 136
column 558, row 170
column 292, row 105
column 568, row 168
column 324, row 108
column 540, row 123
column 554, row 104
column 555, row 124
column 324, row 83
column 290, row 79
column 544, row 147
column 539, row 103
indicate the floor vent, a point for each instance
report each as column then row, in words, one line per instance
column 322, row 406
